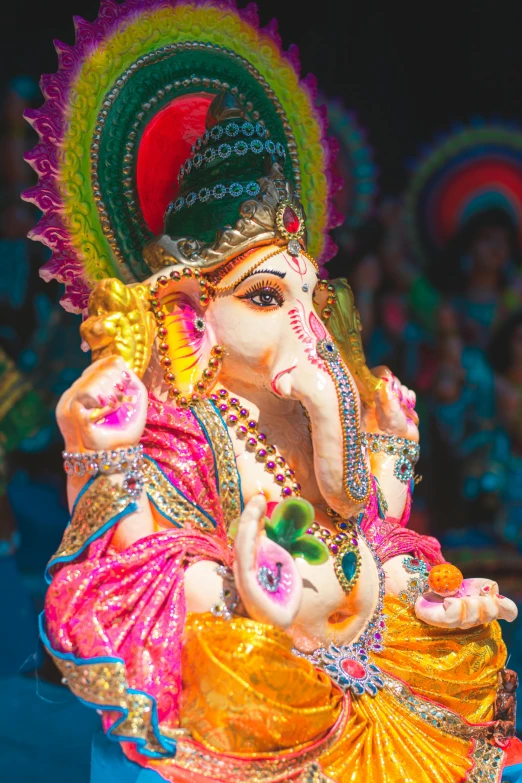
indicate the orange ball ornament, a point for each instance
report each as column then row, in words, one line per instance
column 445, row 579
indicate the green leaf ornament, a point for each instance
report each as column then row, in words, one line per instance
column 290, row 521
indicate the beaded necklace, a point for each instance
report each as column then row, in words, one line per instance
column 348, row 665
column 247, row 429
column 343, row 542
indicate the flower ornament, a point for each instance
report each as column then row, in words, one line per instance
column 351, row 669
column 290, row 520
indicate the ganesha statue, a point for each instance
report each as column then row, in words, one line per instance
column 238, row 593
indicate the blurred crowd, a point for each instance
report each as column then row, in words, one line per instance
column 40, row 356
column 451, row 329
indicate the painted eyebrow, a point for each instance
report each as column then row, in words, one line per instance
column 276, row 272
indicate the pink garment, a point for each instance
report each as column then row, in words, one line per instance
column 390, row 537
column 130, row 604
column 174, row 438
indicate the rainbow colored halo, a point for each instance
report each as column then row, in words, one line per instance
column 126, row 69
column 356, row 173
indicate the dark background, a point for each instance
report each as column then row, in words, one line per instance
column 411, row 70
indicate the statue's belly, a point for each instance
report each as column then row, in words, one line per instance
column 327, row 613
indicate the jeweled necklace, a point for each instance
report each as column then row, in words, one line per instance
column 349, row 665
column 247, row 429
column 343, row 543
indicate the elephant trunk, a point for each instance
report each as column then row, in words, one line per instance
column 329, row 395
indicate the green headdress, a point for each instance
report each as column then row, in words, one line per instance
column 233, row 195
column 130, row 100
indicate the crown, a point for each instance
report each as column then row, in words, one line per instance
column 232, row 195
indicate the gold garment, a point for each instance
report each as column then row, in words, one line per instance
column 386, row 741
column 245, row 692
column 458, row 669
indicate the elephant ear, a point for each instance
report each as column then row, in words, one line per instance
column 188, row 336
column 120, row 323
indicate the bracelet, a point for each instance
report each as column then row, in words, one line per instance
column 93, row 463
column 406, row 450
column 228, row 597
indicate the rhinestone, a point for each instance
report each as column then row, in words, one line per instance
column 349, row 565
column 294, row 248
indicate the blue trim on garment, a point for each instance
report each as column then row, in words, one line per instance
column 180, row 493
column 81, row 493
column 130, row 508
column 512, row 774
column 207, row 438
column 168, row 744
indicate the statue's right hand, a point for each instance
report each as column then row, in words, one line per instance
column 104, row 409
column 267, row 579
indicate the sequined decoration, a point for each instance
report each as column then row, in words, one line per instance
column 226, row 470
column 105, row 685
column 228, row 597
column 433, row 713
column 355, row 468
column 314, row 774
column 170, row 502
column 418, row 583
column 488, row 759
column 280, row 766
column 101, row 502
column 406, row 451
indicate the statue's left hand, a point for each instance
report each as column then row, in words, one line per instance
column 267, row 579
column 478, row 602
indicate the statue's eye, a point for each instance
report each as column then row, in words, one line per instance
column 264, row 295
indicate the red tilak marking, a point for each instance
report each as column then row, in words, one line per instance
column 297, row 265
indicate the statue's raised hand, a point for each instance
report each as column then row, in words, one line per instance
column 267, row 579
column 104, row 409
column 392, row 411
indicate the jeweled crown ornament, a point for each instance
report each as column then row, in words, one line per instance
column 291, row 224
column 136, row 111
column 233, row 194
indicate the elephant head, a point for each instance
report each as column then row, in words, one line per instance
column 264, row 312
column 274, row 348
